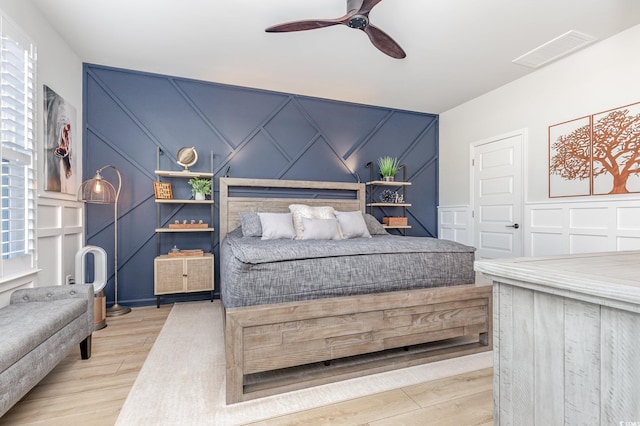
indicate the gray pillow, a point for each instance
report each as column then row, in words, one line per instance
column 352, row 224
column 320, row 229
column 374, row 226
column 277, row 226
column 250, row 222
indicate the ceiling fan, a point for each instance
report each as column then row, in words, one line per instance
column 357, row 17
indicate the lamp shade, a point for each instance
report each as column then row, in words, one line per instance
column 98, row 191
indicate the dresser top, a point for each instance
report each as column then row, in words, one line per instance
column 609, row 275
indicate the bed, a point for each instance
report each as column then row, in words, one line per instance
column 346, row 326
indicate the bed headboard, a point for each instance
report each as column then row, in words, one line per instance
column 231, row 205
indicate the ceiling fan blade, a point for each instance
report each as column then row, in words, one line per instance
column 367, row 5
column 383, row 42
column 304, row 25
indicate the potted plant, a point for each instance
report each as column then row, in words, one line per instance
column 200, row 187
column 388, row 168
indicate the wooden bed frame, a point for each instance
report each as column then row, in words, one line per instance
column 277, row 348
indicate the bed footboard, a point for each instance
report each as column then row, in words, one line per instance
column 277, row 348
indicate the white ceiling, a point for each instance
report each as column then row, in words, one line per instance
column 456, row 49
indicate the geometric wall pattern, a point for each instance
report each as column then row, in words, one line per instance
column 129, row 115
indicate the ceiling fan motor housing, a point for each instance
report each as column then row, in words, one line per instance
column 358, row 22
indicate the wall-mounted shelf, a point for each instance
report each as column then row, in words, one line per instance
column 388, row 205
column 184, row 230
column 176, row 201
column 170, row 274
column 387, row 183
column 182, row 174
column 403, row 184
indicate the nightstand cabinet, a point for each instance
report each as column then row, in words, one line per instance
column 182, row 274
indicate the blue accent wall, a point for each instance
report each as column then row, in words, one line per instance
column 128, row 115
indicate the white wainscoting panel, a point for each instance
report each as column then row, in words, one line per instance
column 629, row 218
column 579, row 243
column 72, row 217
column 455, row 224
column 49, row 217
column 559, row 227
column 53, row 262
column 60, row 236
column 546, row 218
column 553, row 244
column 587, row 217
column 581, row 227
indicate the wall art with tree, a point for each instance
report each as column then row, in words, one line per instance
column 596, row 155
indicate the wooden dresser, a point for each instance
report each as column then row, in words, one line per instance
column 566, row 339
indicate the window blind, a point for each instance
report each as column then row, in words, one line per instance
column 17, row 128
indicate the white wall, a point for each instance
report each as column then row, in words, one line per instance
column 600, row 77
column 60, row 218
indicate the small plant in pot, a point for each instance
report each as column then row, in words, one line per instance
column 200, row 187
column 388, row 168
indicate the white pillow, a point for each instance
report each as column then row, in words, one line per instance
column 277, row 226
column 321, row 229
column 302, row 210
column 352, row 224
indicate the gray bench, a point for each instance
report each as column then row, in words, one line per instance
column 37, row 330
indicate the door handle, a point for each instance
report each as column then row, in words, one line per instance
column 515, row 225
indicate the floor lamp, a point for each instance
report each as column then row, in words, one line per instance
column 100, row 191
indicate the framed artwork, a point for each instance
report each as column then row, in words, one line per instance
column 162, row 190
column 596, row 155
column 570, row 158
column 616, row 151
column 60, row 164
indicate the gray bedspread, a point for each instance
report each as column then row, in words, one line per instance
column 255, row 272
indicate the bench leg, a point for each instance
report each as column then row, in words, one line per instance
column 85, row 348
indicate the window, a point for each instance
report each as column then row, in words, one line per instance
column 17, row 115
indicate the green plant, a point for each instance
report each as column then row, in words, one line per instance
column 388, row 166
column 200, row 185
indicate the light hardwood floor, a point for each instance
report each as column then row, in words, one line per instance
column 92, row 392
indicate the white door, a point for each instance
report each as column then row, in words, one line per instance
column 497, row 197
